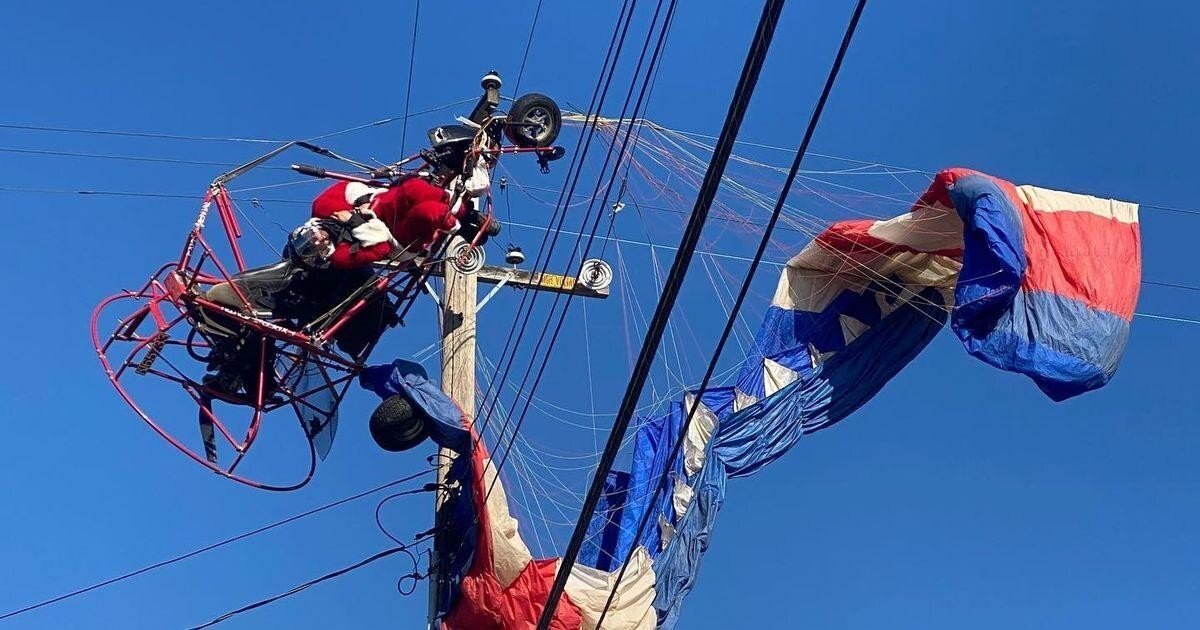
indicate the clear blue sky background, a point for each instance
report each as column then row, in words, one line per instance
column 960, row 497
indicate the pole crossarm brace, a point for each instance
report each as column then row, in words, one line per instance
column 522, row 279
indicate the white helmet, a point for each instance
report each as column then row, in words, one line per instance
column 311, row 244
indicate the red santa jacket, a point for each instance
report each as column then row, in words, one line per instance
column 413, row 212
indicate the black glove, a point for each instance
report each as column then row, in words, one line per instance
column 473, row 222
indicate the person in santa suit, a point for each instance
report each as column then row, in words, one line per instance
column 324, row 261
column 414, row 211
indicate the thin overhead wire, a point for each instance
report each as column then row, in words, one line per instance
column 591, row 212
column 516, row 333
column 137, row 134
column 528, row 45
column 129, row 158
column 390, row 119
column 712, row 254
column 1182, row 320
column 737, row 109
column 207, row 548
column 328, row 576
column 169, row 136
column 558, row 325
column 412, row 55
column 735, row 310
column 1171, row 285
column 542, row 261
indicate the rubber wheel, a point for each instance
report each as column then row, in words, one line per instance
column 533, row 121
column 397, row 425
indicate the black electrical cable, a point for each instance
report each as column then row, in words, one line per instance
column 641, row 98
column 131, row 158
column 196, row 552
column 167, row 136
column 513, row 339
column 135, row 134
column 412, row 54
column 629, row 97
column 555, row 310
column 579, row 235
column 550, row 239
column 328, row 576
column 160, row 195
column 677, row 446
column 516, row 332
column 645, row 89
column 1171, row 285
column 671, row 287
column 429, row 487
column 528, row 45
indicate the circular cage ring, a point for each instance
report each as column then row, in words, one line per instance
column 595, row 274
column 147, row 346
column 466, row 258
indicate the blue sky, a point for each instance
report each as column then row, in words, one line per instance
column 959, row 497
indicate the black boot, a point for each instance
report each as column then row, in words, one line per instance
column 224, row 381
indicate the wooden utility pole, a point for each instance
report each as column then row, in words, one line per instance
column 459, row 305
column 459, row 298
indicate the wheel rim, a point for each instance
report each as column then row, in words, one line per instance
column 537, row 123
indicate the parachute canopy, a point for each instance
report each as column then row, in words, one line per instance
column 1033, row 281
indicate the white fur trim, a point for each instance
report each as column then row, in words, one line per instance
column 480, row 180
column 373, row 232
column 356, row 190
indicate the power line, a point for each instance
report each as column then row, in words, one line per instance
column 130, row 158
column 671, row 288
column 206, row 548
column 1182, row 320
column 328, row 576
column 1171, row 285
column 599, row 94
column 528, row 45
column 1153, row 206
column 731, row 320
column 168, row 136
column 388, row 120
column 562, row 313
column 131, row 193
column 136, row 134
column 600, row 182
column 549, row 242
column 162, row 195
column 523, row 187
column 412, row 55
column 555, row 310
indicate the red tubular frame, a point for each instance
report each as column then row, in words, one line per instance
column 175, row 284
column 148, row 331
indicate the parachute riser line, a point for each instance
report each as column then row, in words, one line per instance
column 671, row 287
column 732, row 318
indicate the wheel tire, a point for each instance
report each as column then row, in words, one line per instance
column 533, row 121
column 398, row 425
